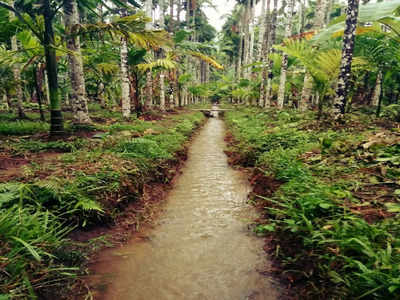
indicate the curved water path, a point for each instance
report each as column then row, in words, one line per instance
column 201, row 247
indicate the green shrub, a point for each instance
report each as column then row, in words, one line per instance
column 142, row 148
column 23, row 127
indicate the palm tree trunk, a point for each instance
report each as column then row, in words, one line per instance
column 240, row 55
column 261, row 31
column 246, row 38
column 149, row 9
column 264, row 53
column 78, row 94
column 125, row 88
column 56, row 119
column 377, row 90
column 101, row 94
column 342, row 89
column 284, row 66
column 329, row 5
column 320, row 18
column 272, row 38
column 5, row 102
column 162, row 92
column 149, row 90
column 38, row 79
column 306, row 92
column 46, row 88
column 178, row 13
column 171, row 15
column 251, row 29
column 320, row 14
column 149, row 75
column 17, row 76
column 126, row 103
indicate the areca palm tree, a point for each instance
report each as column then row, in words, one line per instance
column 322, row 65
column 78, row 94
column 339, row 103
column 284, row 65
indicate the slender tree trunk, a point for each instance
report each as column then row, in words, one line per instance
column 78, row 94
column 134, row 93
column 5, row 102
column 328, row 11
column 17, row 76
column 240, row 54
column 8, row 99
column 171, row 15
column 261, row 31
column 284, row 66
column 178, row 101
column 101, row 94
column 126, row 103
column 300, row 24
column 125, row 88
column 273, row 26
column 379, row 108
column 38, row 79
column 162, row 14
column 149, row 9
column 377, row 90
column 149, row 90
column 251, row 29
column 265, row 50
column 149, row 75
column 56, row 119
column 246, row 39
column 320, row 14
column 320, row 18
column 178, row 13
column 306, row 92
column 162, row 92
column 46, row 88
column 342, row 89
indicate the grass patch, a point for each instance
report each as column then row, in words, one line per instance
column 23, row 127
column 333, row 223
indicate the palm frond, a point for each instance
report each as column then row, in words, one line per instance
column 164, row 63
column 206, row 59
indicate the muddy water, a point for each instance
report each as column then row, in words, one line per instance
column 201, row 248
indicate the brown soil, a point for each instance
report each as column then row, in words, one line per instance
column 11, row 165
column 263, row 185
column 8, row 161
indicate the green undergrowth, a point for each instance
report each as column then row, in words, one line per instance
column 22, row 127
column 89, row 183
column 334, row 221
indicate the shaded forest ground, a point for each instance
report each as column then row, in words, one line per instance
column 62, row 200
column 331, row 199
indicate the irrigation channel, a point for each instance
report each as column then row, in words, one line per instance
column 201, row 246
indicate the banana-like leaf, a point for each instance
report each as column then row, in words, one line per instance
column 371, row 12
column 394, row 24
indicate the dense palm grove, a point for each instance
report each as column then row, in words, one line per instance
column 94, row 109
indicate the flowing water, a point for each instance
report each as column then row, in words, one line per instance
column 201, row 247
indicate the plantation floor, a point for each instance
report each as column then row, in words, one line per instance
column 201, row 246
